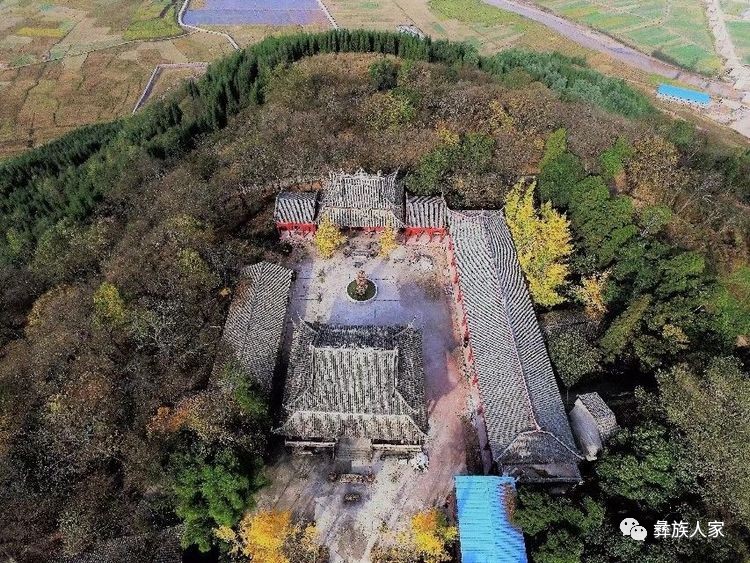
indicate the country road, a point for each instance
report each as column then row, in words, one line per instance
column 597, row 41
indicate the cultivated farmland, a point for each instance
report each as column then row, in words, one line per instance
column 71, row 63
column 254, row 12
column 674, row 30
column 737, row 17
column 38, row 31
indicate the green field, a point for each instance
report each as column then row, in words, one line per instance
column 740, row 33
column 675, row 30
column 38, row 31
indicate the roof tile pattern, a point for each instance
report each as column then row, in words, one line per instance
column 427, row 212
column 363, row 200
column 601, row 413
column 295, row 207
column 255, row 324
column 524, row 414
column 361, row 381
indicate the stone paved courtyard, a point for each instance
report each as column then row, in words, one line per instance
column 412, row 287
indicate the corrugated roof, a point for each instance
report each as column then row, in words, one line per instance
column 600, row 412
column 691, row 96
column 426, row 212
column 484, row 527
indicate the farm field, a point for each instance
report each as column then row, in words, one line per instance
column 674, row 30
column 486, row 27
column 68, row 63
column 735, row 8
column 45, row 100
column 737, row 18
column 740, row 33
column 254, row 12
column 36, row 31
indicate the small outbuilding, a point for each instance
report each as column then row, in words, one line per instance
column 426, row 215
column 593, row 423
column 683, row 95
column 411, row 29
column 295, row 211
column 484, row 508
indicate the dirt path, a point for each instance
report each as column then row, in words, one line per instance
column 733, row 64
column 146, row 94
column 603, row 43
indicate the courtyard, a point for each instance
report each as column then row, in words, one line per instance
column 412, row 287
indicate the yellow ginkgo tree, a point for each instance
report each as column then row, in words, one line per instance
column 432, row 535
column 262, row 535
column 328, row 238
column 388, row 242
column 271, row 536
column 543, row 242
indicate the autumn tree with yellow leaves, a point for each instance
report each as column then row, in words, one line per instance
column 432, row 535
column 388, row 242
column 591, row 294
column 543, row 242
column 262, row 535
column 328, row 238
column 427, row 540
column 270, row 536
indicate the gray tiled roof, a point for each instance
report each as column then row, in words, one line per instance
column 255, row 324
column 363, row 200
column 426, row 212
column 601, row 413
column 362, row 381
column 524, row 414
column 295, row 207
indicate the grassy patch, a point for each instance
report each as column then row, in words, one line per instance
column 154, row 20
column 693, row 57
column 474, row 11
column 740, row 33
column 53, row 32
column 21, row 60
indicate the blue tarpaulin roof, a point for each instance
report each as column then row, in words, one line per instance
column 485, row 532
column 692, row 96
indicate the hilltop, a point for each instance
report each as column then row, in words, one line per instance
column 123, row 243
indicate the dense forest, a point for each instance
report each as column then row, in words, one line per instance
column 121, row 243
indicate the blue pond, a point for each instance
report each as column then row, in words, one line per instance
column 254, row 12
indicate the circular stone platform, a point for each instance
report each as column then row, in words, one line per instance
column 370, row 293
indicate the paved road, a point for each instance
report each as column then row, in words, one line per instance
column 603, row 43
